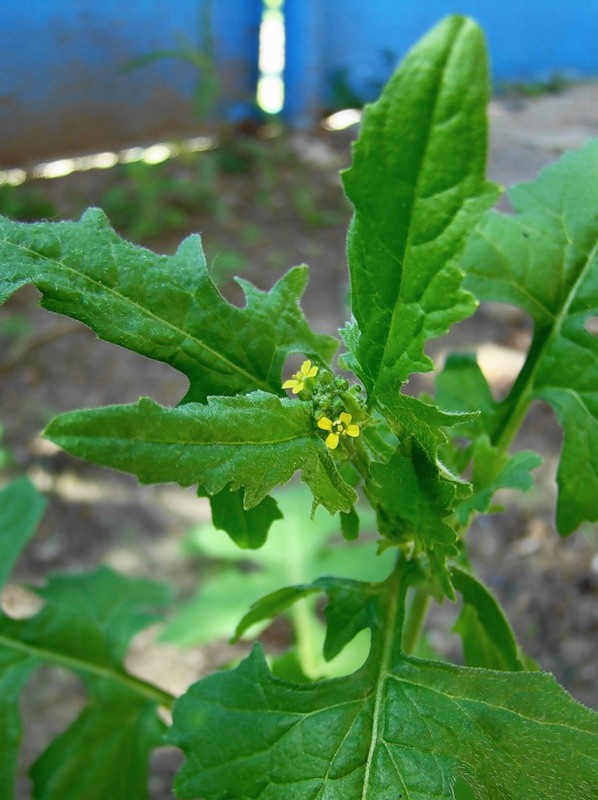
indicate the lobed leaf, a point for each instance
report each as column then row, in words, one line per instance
column 488, row 640
column 493, row 470
column 164, row 307
column 21, row 509
column 414, row 501
column 545, row 261
column 85, row 625
column 398, row 727
column 298, row 551
column 418, row 187
column 255, row 441
column 248, row 528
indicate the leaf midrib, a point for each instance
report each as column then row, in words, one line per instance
column 403, row 257
column 390, row 632
column 140, row 687
column 149, row 314
column 523, row 389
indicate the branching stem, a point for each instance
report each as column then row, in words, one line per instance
column 516, row 405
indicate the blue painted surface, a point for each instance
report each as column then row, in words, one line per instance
column 61, row 80
column 355, row 44
column 62, row 87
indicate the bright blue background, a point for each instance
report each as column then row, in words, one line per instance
column 363, row 39
column 62, row 87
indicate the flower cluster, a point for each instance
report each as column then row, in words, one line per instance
column 330, row 397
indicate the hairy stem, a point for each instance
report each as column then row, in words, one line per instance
column 516, row 405
column 415, row 617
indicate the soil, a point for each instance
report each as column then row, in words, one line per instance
column 285, row 208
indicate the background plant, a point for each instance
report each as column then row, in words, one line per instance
column 400, row 725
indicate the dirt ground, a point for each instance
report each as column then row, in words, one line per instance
column 283, row 210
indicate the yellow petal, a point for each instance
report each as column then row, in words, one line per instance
column 305, row 367
column 312, row 373
column 325, row 424
column 352, row 430
column 289, row 384
column 345, row 418
column 332, row 441
column 298, row 387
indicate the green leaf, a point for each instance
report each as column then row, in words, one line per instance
column 164, row 307
column 248, row 528
column 350, row 524
column 255, row 441
column 545, row 261
column 21, row 509
column 488, row 640
column 104, row 753
column 273, row 604
column 85, row 625
column 413, row 501
column 493, row 470
column 462, row 387
column 418, row 187
column 399, row 727
column 15, row 671
column 298, row 551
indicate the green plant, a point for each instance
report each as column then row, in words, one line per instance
column 423, row 250
column 25, row 203
column 149, row 200
column 293, row 553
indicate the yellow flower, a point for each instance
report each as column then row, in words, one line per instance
column 297, row 382
column 340, row 427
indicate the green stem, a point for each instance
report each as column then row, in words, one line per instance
column 360, row 458
column 307, row 647
column 140, row 687
column 515, row 406
column 415, row 618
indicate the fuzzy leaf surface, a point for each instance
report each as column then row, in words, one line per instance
column 248, row 528
column 85, row 626
column 414, row 501
column 163, row 307
column 545, row 261
column 21, row 509
column 399, row 727
column 488, row 640
column 417, row 185
column 254, row 441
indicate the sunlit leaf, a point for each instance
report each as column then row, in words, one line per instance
column 399, row 727
column 256, row 441
column 545, row 261
column 164, row 307
column 85, row 626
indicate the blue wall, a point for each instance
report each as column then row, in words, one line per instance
column 354, row 44
column 62, row 88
